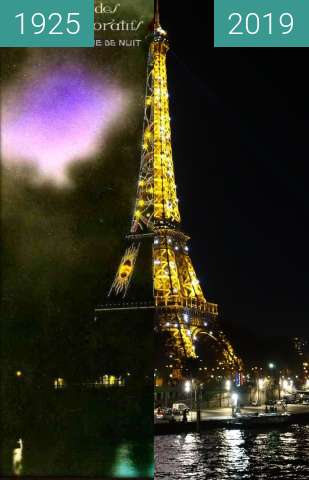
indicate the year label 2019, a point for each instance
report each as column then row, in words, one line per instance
column 261, row 23
column 252, row 23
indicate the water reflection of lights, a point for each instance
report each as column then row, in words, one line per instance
column 234, row 454
column 17, row 460
column 188, row 445
column 233, row 451
column 182, row 456
column 126, row 467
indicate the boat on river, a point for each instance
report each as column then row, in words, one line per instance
column 256, row 419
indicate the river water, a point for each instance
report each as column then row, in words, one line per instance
column 103, row 458
column 234, row 455
column 78, row 433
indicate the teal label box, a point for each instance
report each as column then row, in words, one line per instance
column 261, row 23
column 47, row 23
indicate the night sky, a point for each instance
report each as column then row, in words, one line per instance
column 241, row 124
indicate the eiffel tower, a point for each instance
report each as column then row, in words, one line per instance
column 156, row 272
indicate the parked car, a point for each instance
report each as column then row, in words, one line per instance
column 291, row 399
column 159, row 412
column 178, row 408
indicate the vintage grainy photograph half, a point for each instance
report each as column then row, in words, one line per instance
column 76, row 377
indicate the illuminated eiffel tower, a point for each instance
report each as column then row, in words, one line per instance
column 157, row 252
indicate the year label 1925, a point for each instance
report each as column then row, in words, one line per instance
column 53, row 24
column 48, row 23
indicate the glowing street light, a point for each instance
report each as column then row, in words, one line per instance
column 287, row 385
column 18, row 373
column 235, row 399
column 187, row 386
column 228, row 385
column 271, row 366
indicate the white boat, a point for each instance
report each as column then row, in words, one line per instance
column 260, row 418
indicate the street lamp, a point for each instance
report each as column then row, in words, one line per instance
column 228, row 384
column 275, row 381
column 188, row 390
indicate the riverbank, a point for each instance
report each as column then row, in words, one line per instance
column 222, row 418
column 110, row 412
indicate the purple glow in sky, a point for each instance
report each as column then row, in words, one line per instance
column 57, row 117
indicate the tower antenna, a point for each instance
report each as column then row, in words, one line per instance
column 157, row 15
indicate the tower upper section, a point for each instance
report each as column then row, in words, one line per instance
column 157, row 202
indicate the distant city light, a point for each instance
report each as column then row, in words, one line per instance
column 228, row 385
column 271, row 365
column 287, row 385
column 187, row 386
column 18, row 373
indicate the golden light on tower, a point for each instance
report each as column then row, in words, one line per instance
column 157, row 189
column 180, row 305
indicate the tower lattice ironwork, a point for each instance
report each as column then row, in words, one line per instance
column 177, row 298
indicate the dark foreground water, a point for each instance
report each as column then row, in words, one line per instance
column 234, row 455
column 103, row 458
column 78, row 433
